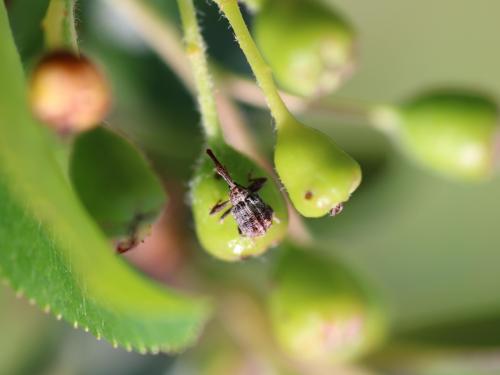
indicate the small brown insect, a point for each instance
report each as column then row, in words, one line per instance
column 254, row 217
column 133, row 235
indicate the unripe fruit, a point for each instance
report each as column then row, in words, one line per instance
column 68, row 93
column 451, row 132
column 321, row 313
column 318, row 175
column 309, row 48
column 221, row 239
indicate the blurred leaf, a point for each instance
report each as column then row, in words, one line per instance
column 27, row 26
column 54, row 254
column 115, row 182
column 27, row 342
column 150, row 106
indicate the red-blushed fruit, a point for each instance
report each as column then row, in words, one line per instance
column 321, row 313
column 68, row 92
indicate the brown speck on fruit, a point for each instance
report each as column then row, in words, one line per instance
column 337, row 209
column 308, row 195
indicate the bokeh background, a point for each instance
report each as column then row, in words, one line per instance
column 428, row 245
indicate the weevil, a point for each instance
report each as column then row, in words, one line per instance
column 253, row 216
column 133, row 237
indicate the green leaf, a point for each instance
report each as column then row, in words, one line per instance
column 53, row 253
column 115, row 183
column 28, row 341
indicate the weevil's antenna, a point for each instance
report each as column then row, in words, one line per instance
column 221, row 170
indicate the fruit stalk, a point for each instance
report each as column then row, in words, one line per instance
column 195, row 50
column 59, row 26
column 260, row 68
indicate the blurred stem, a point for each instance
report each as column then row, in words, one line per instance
column 246, row 91
column 162, row 36
column 254, row 5
column 262, row 71
column 195, row 50
column 59, row 26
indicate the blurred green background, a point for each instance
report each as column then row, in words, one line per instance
column 429, row 246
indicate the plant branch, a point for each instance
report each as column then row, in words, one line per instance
column 59, row 25
column 164, row 38
column 195, row 50
column 261, row 70
column 248, row 92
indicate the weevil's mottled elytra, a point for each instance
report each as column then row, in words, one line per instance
column 254, row 217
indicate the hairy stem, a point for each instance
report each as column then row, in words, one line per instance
column 59, row 25
column 262, row 71
column 162, row 36
column 195, row 49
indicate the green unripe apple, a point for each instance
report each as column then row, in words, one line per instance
column 320, row 312
column 451, row 132
column 222, row 239
column 309, row 47
column 318, row 175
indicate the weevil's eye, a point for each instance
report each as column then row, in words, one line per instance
column 68, row 92
column 311, row 59
column 319, row 302
column 454, row 133
column 318, row 175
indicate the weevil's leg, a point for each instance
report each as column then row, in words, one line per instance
column 218, row 206
column 239, row 231
column 275, row 219
column 223, row 216
column 256, row 184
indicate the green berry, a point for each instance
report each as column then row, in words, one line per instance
column 309, row 47
column 318, row 175
column 320, row 312
column 222, row 239
column 451, row 132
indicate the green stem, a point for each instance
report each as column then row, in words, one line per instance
column 59, row 26
column 164, row 39
column 195, row 48
column 262, row 71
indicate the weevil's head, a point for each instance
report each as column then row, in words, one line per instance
column 237, row 194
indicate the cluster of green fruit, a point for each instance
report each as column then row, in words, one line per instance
column 453, row 132
column 319, row 312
